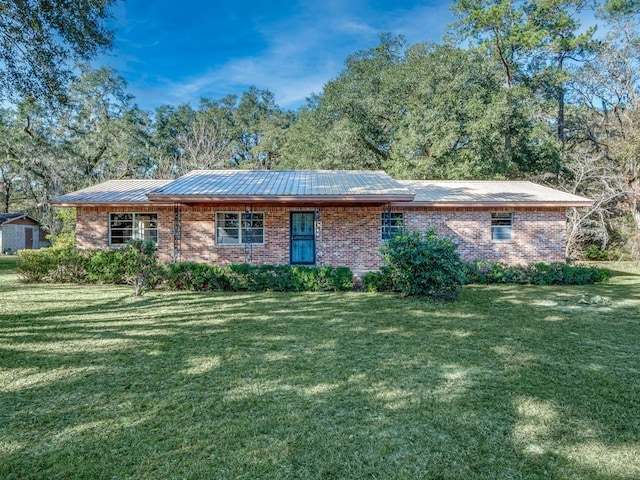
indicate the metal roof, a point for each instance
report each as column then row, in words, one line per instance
column 488, row 193
column 283, row 185
column 332, row 186
column 112, row 192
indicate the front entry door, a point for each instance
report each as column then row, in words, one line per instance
column 303, row 243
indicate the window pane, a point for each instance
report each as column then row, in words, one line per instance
column 146, row 226
column 235, row 228
column 125, row 226
column 502, row 226
column 252, row 227
column 119, row 236
column 501, row 233
column 121, row 220
column 228, row 228
column 120, row 228
column 392, row 224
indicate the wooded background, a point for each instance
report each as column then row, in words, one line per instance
column 516, row 90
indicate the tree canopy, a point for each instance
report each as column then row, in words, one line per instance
column 43, row 39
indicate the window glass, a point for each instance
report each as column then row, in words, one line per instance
column 501, row 226
column 127, row 226
column 233, row 228
column 228, row 228
column 392, row 224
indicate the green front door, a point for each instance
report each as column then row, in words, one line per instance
column 302, row 238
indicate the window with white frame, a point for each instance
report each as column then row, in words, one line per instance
column 392, row 224
column 502, row 226
column 235, row 228
column 129, row 226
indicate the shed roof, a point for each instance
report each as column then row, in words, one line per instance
column 120, row 192
column 10, row 217
column 489, row 193
column 283, row 186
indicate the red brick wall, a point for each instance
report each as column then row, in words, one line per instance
column 538, row 234
column 344, row 235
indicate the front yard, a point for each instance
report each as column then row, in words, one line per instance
column 511, row 382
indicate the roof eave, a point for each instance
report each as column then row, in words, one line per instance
column 73, row 204
column 24, row 216
column 576, row 203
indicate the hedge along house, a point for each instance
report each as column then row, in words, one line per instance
column 20, row 231
column 338, row 218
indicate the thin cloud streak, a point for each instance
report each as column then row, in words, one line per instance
column 301, row 54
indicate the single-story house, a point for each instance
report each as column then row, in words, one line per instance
column 19, row 231
column 338, row 218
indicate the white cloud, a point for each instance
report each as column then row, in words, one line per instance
column 302, row 53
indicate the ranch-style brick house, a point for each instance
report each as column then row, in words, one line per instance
column 337, row 218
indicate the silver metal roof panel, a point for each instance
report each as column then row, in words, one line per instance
column 283, row 183
column 111, row 191
column 487, row 192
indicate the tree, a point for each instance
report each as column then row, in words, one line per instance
column 246, row 132
column 554, row 25
column 611, row 83
column 42, row 40
column 429, row 111
column 100, row 133
column 351, row 124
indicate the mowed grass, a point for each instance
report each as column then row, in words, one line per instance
column 511, row 382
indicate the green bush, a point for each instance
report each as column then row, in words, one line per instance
column 424, row 265
column 289, row 278
column 140, row 264
column 484, row 271
column 195, row 276
column 538, row 273
column 256, row 278
column 595, row 253
column 104, row 266
column 51, row 265
column 378, row 281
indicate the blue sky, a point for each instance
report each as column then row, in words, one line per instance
column 173, row 52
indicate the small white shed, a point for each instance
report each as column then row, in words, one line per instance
column 19, row 231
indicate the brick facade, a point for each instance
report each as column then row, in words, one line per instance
column 345, row 236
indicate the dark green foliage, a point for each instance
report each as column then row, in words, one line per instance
column 103, row 266
column 51, row 265
column 195, row 276
column 43, row 39
column 140, row 264
column 289, row 278
column 378, row 281
column 595, row 253
column 483, row 272
column 136, row 265
column 424, row 264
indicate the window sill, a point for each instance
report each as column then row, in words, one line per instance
column 236, row 245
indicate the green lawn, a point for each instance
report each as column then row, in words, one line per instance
column 509, row 383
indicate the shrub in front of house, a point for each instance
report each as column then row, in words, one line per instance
column 289, row 278
column 140, row 265
column 378, row 281
column 103, row 266
column 134, row 264
column 51, row 265
column 484, row 272
column 194, row 276
column 423, row 264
